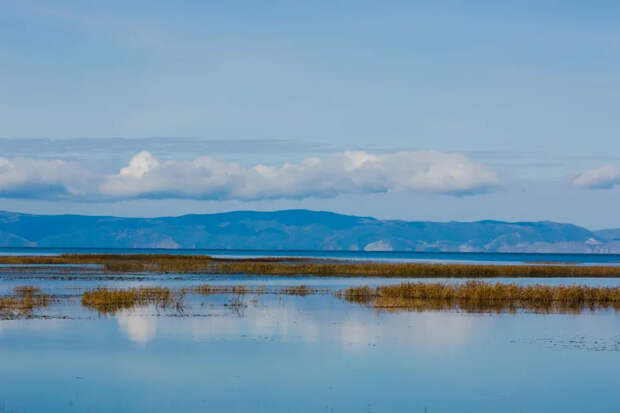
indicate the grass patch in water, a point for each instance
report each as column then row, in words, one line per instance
column 110, row 300
column 375, row 269
column 23, row 302
column 480, row 296
column 202, row 264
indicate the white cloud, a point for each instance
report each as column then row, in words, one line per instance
column 605, row 177
column 347, row 172
column 39, row 178
column 207, row 178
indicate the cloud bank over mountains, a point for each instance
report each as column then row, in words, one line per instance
column 207, row 178
column 605, row 177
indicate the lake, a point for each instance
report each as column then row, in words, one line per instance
column 284, row 353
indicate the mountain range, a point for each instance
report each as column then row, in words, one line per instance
column 299, row 230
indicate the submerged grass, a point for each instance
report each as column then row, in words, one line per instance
column 23, row 302
column 170, row 263
column 480, row 296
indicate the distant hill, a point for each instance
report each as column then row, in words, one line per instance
column 297, row 229
column 609, row 234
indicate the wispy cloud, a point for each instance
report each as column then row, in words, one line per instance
column 205, row 177
column 605, row 177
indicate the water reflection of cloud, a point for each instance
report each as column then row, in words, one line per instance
column 205, row 328
column 274, row 320
column 355, row 330
column 441, row 329
column 286, row 321
column 430, row 331
column 356, row 335
column 138, row 326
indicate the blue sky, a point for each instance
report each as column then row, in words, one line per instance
column 525, row 91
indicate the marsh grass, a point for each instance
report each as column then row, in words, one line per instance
column 480, row 296
column 110, row 301
column 377, row 269
column 200, row 264
column 23, row 302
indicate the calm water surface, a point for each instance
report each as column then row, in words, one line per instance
column 304, row 354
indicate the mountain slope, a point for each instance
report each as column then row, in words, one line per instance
column 609, row 234
column 294, row 229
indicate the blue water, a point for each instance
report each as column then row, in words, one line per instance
column 311, row 354
column 397, row 256
column 279, row 353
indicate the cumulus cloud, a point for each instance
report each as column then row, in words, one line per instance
column 347, row 172
column 39, row 178
column 605, row 177
column 205, row 177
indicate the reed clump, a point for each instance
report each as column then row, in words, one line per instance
column 23, row 302
column 476, row 295
column 120, row 263
column 110, row 300
column 411, row 270
column 171, row 263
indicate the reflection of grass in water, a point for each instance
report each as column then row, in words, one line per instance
column 23, row 303
column 109, row 301
column 478, row 296
column 167, row 263
column 236, row 305
column 208, row 289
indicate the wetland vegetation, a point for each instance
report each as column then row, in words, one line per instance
column 111, row 300
column 202, row 264
column 470, row 296
column 481, row 296
column 23, row 302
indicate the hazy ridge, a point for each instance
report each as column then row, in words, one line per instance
column 299, row 229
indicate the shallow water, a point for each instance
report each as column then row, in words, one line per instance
column 54, row 285
column 304, row 354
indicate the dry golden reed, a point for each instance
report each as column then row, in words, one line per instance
column 112, row 300
column 411, row 270
column 109, row 300
column 23, row 302
column 480, row 296
column 200, row 264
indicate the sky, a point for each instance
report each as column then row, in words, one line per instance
column 453, row 110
